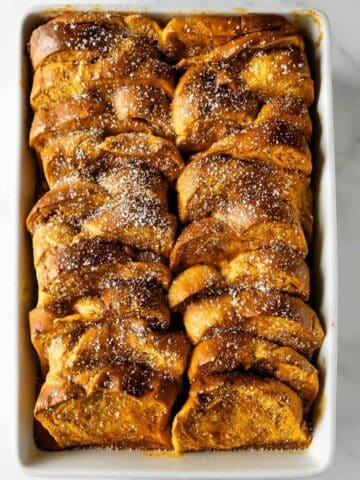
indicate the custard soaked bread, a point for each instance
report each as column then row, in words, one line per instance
column 240, row 108
column 116, row 99
column 102, row 234
column 238, row 410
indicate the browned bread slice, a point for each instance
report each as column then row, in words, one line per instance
column 243, row 195
column 86, row 208
column 268, row 269
column 241, row 351
column 205, row 241
column 80, row 342
column 190, row 36
column 155, row 152
column 139, row 223
column 272, row 142
column 77, row 262
column 94, row 31
column 68, row 116
column 122, row 406
column 211, row 240
column 51, row 322
column 145, row 105
column 85, row 153
column 272, row 315
column 262, row 41
column 166, row 352
column 75, row 72
column 292, row 113
column 141, row 298
column 205, row 108
column 69, row 155
column 191, row 281
column 235, row 410
column 209, row 305
column 73, row 201
column 132, row 180
column 132, row 108
column 116, row 283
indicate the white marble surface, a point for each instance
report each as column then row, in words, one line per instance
column 344, row 19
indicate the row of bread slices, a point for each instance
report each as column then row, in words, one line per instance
column 245, row 205
column 102, row 234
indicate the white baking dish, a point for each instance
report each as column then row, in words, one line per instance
column 127, row 464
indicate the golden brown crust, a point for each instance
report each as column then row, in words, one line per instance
column 157, row 152
column 87, row 31
column 90, row 113
column 110, row 409
column 191, row 281
column 254, row 412
column 137, row 218
column 269, row 269
column 76, row 342
column 272, row 315
column 204, row 241
column 274, row 143
column 135, row 62
column 265, row 268
column 70, row 267
column 190, row 36
column 242, row 194
column 203, row 113
column 263, row 41
column 87, row 153
column 235, row 351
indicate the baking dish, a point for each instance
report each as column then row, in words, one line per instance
column 240, row 464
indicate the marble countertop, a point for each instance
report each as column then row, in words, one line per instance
column 344, row 20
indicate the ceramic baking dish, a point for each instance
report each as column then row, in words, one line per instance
column 96, row 463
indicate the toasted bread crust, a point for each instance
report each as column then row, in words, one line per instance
column 115, row 400
column 243, row 351
column 190, row 36
column 275, row 316
column 88, row 31
column 254, row 413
